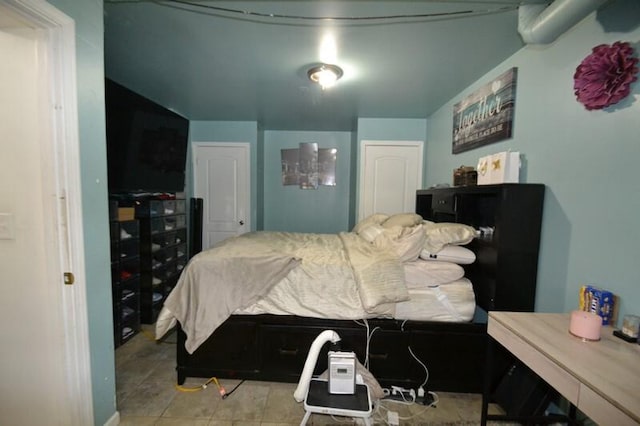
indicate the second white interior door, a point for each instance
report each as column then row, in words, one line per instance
column 390, row 174
column 221, row 172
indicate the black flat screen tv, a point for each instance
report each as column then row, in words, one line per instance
column 146, row 143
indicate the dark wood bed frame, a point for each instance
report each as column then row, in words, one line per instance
column 274, row 348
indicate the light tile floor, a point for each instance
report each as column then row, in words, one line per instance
column 147, row 395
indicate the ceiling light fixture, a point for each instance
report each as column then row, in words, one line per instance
column 325, row 75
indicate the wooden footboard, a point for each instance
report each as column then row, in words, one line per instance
column 274, row 348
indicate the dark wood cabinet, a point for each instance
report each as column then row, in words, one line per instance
column 459, row 367
column 509, row 219
column 275, row 348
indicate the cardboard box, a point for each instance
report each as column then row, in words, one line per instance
column 126, row 213
column 502, row 167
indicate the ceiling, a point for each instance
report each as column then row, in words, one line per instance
column 207, row 61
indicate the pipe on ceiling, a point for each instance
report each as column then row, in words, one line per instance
column 541, row 24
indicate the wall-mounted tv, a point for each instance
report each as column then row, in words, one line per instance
column 146, row 143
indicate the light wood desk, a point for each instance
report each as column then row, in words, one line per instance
column 602, row 379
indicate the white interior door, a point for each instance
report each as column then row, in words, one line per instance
column 390, row 174
column 222, row 180
column 45, row 353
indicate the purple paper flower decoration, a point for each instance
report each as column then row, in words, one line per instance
column 605, row 76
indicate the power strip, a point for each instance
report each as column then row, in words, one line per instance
column 401, row 394
column 428, row 399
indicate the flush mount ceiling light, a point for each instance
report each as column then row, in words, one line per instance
column 325, row 75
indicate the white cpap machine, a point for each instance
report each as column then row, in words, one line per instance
column 342, row 394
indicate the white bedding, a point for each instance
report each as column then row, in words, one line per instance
column 339, row 276
column 326, row 271
column 451, row 302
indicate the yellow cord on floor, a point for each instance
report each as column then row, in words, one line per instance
column 149, row 335
column 203, row 386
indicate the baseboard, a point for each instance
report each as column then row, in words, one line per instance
column 114, row 420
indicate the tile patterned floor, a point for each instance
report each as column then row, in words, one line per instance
column 147, row 395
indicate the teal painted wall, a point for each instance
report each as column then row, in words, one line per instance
column 392, row 129
column 289, row 208
column 93, row 168
column 228, row 131
column 587, row 159
column 260, row 189
column 353, row 180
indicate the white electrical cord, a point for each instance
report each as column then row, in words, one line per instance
column 423, row 366
column 365, row 324
column 245, row 13
column 368, row 344
column 426, row 370
column 381, row 411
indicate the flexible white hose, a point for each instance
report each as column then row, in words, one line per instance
column 310, row 363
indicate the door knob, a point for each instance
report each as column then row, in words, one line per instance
column 241, row 222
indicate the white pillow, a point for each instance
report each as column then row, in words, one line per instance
column 406, row 243
column 374, row 219
column 423, row 273
column 405, row 220
column 445, row 233
column 371, row 232
column 454, row 254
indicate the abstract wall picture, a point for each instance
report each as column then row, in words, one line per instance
column 289, row 166
column 327, row 166
column 485, row 116
column 308, row 166
column 308, row 161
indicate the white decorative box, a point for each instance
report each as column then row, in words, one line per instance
column 502, row 167
column 484, row 170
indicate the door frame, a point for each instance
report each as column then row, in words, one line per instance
column 247, row 150
column 361, row 163
column 62, row 195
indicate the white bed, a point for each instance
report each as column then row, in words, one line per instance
column 373, row 272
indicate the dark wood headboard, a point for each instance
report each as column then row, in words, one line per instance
column 504, row 274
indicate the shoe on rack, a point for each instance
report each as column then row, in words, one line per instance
column 126, row 294
column 126, row 332
column 127, row 311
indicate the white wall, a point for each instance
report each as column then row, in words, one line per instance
column 587, row 159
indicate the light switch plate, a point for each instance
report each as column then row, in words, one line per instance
column 7, row 230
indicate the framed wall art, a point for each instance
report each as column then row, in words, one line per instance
column 486, row 115
column 309, row 166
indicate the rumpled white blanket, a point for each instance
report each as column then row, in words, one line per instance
column 217, row 282
column 316, row 275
